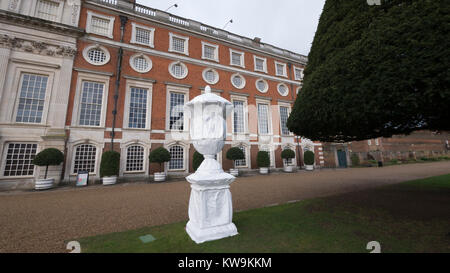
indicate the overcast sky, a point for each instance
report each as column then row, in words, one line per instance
column 288, row 24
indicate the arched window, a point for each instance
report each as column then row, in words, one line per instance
column 176, row 158
column 135, row 159
column 242, row 162
column 85, row 158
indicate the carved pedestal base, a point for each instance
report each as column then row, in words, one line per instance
column 210, row 204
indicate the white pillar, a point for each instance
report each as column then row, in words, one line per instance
column 4, row 60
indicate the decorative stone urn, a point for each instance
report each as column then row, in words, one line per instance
column 210, row 204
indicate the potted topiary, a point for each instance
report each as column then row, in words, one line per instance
column 286, row 155
column 235, row 153
column 160, row 155
column 47, row 157
column 109, row 167
column 263, row 161
column 197, row 160
column 308, row 157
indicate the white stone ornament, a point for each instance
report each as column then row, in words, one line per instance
column 210, row 204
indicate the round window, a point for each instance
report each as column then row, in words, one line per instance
column 238, row 81
column 262, row 86
column 141, row 63
column 283, row 89
column 178, row 70
column 210, row 76
column 96, row 55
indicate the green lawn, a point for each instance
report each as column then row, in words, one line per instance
column 409, row 217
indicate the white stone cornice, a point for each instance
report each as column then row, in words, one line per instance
column 36, row 47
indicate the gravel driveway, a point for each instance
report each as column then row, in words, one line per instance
column 45, row 221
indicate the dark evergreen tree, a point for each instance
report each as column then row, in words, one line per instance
column 375, row 71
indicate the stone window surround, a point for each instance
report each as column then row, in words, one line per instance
column 287, row 88
column 269, row 115
column 295, row 75
column 279, row 114
column 73, row 148
column 244, row 82
column 186, row 71
column 271, row 151
column 3, row 152
column 185, row 147
column 265, row 63
column 17, row 85
column 293, row 148
column 186, row 43
column 59, row 13
column 77, row 100
column 133, row 35
column 216, row 51
column 89, row 23
column 247, row 154
column 284, row 69
column 150, row 63
column 243, row 99
column 267, row 85
column 124, row 152
column 242, row 58
column 215, row 72
column 104, row 49
column 148, row 118
column 176, row 89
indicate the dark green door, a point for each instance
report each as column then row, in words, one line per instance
column 342, row 158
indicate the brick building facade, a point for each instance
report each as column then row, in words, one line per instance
column 155, row 62
column 417, row 145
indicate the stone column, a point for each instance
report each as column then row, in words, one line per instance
column 4, row 60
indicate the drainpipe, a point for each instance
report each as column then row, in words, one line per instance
column 292, row 96
column 123, row 21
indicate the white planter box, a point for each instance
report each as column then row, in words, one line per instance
column 109, row 180
column 44, row 184
column 263, row 170
column 160, row 177
column 234, row 172
column 309, row 167
column 288, row 169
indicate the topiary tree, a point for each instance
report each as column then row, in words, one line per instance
column 235, row 153
column 308, row 158
column 263, row 159
column 374, row 71
column 48, row 157
column 287, row 154
column 197, row 160
column 110, row 164
column 159, row 155
column 355, row 160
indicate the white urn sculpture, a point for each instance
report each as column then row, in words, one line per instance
column 210, row 204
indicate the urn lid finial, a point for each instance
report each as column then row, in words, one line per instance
column 207, row 89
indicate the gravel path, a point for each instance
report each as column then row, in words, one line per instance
column 45, row 221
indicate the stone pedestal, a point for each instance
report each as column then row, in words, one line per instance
column 210, row 204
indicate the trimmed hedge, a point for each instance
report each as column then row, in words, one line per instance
column 308, row 157
column 263, row 159
column 197, row 160
column 355, row 160
column 110, row 164
column 48, row 157
column 235, row 153
column 287, row 154
column 159, row 155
